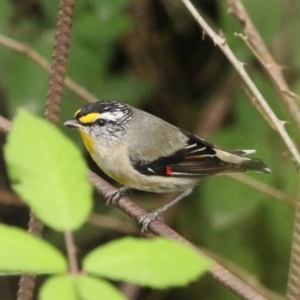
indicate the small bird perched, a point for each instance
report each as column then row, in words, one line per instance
column 144, row 152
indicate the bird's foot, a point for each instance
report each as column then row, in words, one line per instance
column 155, row 215
column 146, row 220
column 113, row 197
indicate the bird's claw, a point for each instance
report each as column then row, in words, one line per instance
column 146, row 220
column 113, row 197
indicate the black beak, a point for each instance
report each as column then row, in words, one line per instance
column 73, row 123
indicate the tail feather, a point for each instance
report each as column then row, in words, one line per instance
column 243, row 151
column 237, row 157
column 255, row 164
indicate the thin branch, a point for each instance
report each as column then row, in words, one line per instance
column 5, row 125
column 59, row 60
column 156, row 227
column 244, row 275
column 220, row 41
column 254, row 41
column 293, row 289
column 8, row 197
column 26, row 287
column 256, row 104
column 256, row 44
column 27, row 281
column 264, row 188
column 56, row 86
column 42, row 62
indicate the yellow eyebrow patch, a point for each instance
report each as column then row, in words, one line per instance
column 77, row 111
column 89, row 118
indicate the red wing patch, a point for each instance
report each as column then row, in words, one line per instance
column 169, row 170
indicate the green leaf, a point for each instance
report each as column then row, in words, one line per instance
column 22, row 252
column 88, row 287
column 48, row 172
column 81, row 287
column 59, row 287
column 158, row 263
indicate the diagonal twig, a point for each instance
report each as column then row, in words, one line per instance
column 218, row 272
column 43, row 63
column 220, row 41
column 256, row 44
column 293, row 288
column 9, row 198
column 5, row 125
column 293, row 292
column 273, row 70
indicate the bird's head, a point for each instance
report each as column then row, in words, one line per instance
column 102, row 122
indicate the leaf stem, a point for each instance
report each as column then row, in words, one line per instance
column 71, row 252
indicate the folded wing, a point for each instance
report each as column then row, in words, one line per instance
column 200, row 159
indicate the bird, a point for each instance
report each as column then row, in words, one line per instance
column 144, row 152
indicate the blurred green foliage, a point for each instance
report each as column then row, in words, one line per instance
column 153, row 56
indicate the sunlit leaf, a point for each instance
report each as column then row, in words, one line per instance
column 48, row 172
column 158, row 263
column 22, row 252
column 88, row 287
column 62, row 287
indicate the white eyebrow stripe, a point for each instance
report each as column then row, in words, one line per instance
column 149, row 169
column 110, row 116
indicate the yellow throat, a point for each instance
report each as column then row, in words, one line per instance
column 89, row 143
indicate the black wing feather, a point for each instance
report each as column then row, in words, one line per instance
column 197, row 159
column 158, row 166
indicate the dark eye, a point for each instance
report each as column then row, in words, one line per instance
column 101, row 122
